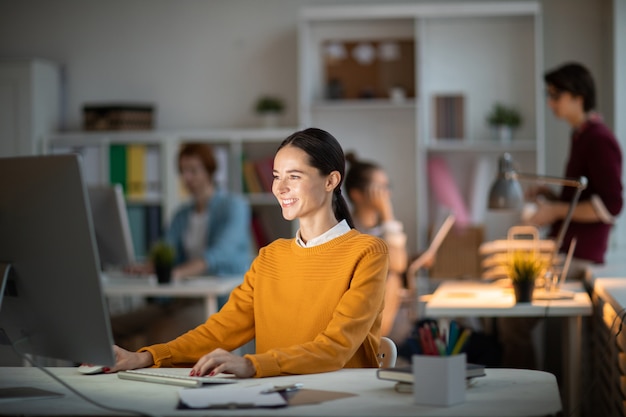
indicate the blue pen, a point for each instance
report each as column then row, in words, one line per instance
column 452, row 337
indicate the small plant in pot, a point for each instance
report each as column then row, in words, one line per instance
column 269, row 108
column 524, row 268
column 162, row 256
column 504, row 120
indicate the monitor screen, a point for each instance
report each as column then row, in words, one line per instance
column 110, row 219
column 53, row 304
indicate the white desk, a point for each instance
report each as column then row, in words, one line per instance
column 503, row 392
column 207, row 288
column 480, row 299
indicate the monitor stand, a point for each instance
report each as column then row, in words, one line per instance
column 7, row 289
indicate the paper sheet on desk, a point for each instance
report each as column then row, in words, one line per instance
column 479, row 295
column 230, row 397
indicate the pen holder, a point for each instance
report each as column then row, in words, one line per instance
column 439, row 380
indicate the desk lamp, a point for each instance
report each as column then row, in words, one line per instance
column 506, row 192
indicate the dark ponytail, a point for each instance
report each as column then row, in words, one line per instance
column 325, row 154
column 359, row 175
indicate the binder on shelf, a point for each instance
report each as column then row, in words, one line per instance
column 250, row 177
column 92, row 164
column 265, row 172
column 137, row 222
column 154, row 227
column 152, row 168
column 91, row 161
column 117, row 165
column 136, row 170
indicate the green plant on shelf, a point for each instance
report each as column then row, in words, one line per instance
column 502, row 115
column 269, row 104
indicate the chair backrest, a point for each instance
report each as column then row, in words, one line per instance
column 496, row 254
column 387, row 353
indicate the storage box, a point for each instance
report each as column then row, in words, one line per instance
column 118, row 116
column 439, row 380
column 458, row 255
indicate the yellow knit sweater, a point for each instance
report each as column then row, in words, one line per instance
column 310, row 310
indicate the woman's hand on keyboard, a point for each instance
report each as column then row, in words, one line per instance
column 125, row 359
column 222, row 361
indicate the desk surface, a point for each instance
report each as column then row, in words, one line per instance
column 612, row 290
column 478, row 298
column 195, row 287
column 503, row 392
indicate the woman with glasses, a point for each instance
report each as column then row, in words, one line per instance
column 594, row 153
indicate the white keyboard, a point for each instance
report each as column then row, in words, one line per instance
column 171, row 379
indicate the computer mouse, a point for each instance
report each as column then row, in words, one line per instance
column 90, row 369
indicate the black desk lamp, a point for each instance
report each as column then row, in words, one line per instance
column 506, row 193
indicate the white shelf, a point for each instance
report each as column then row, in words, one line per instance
column 488, row 52
column 252, row 142
column 481, row 146
column 369, row 104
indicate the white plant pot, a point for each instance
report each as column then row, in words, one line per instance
column 503, row 133
column 270, row 120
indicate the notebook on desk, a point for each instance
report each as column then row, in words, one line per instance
column 405, row 373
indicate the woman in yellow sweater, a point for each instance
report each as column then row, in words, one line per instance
column 312, row 303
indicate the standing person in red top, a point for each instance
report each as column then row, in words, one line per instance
column 594, row 153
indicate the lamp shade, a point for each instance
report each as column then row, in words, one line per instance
column 506, row 192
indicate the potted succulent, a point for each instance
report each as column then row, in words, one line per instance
column 162, row 256
column 504, row 120
column 269, row 108
column 523, row 269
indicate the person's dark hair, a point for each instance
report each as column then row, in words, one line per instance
column 325, row 154
column 359, row 174
column 202, row 151
column 577, row 80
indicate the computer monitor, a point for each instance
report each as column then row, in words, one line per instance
column 110, row 219
column 53, row 304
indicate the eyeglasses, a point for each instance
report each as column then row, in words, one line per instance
column 553, row 94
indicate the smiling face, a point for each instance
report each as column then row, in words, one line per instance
column 301, row 190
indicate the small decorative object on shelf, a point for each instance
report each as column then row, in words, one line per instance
column 162, row 255
column 504, row 120
column 449, row 112
column 269, row 108
column 397, row 94
column 524, row 268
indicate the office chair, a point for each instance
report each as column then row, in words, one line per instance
column 496, row 254
column 387, row 353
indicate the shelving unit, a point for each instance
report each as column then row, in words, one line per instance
column 232, row 147
column 486, row 52
column 30, row 97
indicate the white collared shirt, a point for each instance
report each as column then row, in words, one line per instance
column 194, row 239
column 339, row 229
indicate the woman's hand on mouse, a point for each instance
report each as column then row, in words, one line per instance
column 222, row 361
column 125, row 360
